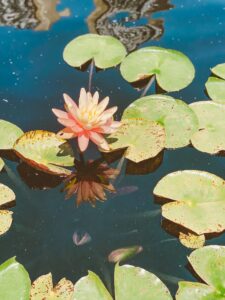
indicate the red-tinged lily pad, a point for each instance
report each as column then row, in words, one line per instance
column 45, row 151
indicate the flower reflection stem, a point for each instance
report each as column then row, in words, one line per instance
column 148, row 86
column 91, row 71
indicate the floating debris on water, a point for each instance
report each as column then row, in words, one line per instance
column 123, row 254
column 126, row 190
column 81, row 238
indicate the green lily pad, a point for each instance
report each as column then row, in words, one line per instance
column 178, row 119
column 45, row 151
column 131, row 283
column 209, row 264
column 216, row 89
column 219, row 70
column 14, row 281
column 210, row 136
column 90, row 287
column 42, row 288
column 137, row 283
column 173, row 70
column 7, row 199
column 197, row 200
column 9, row 133
column 143, row 139
column 106, row 51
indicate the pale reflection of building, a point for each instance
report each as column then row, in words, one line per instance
column 30, row 14
column 121, row 18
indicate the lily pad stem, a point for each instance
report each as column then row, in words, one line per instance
column 91, row 71
column 152, row 79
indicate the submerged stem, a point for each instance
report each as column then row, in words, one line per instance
column 91, row 71
column 81, row 154
column 152, row 79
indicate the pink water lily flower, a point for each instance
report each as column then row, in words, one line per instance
column 87, row 121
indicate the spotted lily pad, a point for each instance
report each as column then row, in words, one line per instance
column 178, row 119
column 14, row 281
column 42, row 288
column 210, row 135
column 45, row 151
column 7, row 199
column 130, row 283
column 143, row 139
column 191, row 240
column 9, row 133
column 197, row 200
column 209, row 264
column 173, row 70
column 106, row 51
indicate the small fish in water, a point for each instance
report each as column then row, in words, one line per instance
column 123, row 254
column 126, row 190
column 81, row 238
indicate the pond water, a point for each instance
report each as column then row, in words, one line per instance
column 33, row 77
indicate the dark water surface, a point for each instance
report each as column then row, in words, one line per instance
column 33, row 77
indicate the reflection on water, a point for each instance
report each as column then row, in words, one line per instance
column 128, row 20
column 33, row 77
column 30, row 14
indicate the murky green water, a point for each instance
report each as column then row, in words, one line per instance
column 33, row 77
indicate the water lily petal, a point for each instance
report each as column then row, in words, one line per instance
column 108, row 114
column 83, row 142
column 110, row 127
column 76, row 128
column 102, row 105
column 95, row 98
column 83, row 99
column 66, row 134
column 66, row 122
column 99, row 140
column 70, row 104
column 60, row 113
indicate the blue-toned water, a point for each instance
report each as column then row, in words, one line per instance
column 33, row 77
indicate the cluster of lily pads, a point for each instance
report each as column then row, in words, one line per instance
column 192, row 199
column 130, row 282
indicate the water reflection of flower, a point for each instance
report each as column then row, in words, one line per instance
column 90, row 181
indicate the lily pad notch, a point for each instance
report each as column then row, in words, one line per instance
column 105, row 51
column 173, row 70
column 196, row 202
